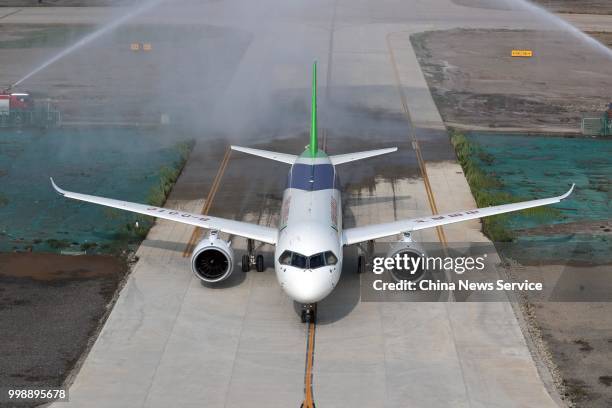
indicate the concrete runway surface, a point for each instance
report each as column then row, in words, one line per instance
column 171, row 341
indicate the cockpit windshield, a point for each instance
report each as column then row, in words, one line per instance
column 299, row 261
column 316, row 261
column 308, row 262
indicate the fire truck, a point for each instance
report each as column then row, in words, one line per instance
column 15, row 101
column 17, row 109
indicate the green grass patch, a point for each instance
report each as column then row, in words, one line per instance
column 135, row 231
column 485, row 189
column 58, row 243
column 169, row 175
column 88, row 246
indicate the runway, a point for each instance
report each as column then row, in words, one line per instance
column 171, row 341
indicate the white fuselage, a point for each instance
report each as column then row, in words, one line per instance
column 310, row 229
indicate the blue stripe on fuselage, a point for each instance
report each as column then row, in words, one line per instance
column 312, row 177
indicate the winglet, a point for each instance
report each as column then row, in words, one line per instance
column 59, row 190
column 564, row 196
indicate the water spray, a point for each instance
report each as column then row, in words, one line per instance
column 564, row 24
column 90, row 37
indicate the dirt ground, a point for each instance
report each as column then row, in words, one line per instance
column 577, row 6
column 580, row 340
column 43, row 333
column 557, row 6
column 571, row 329
column 604, row 38
column 476, row 82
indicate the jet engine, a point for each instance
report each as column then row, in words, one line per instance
column 213, row 259
column 412, row 254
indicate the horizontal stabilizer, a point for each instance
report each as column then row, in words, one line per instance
column 281, row 157
column 349, row 157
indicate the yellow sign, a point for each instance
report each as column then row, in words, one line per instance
column 135, row 46
column 522, row 53
column 147, row 47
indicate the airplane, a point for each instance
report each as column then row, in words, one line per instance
column 309, row 239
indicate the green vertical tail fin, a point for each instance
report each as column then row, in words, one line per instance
column 313, row 147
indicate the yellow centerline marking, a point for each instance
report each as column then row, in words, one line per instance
column 308, row 397
column 197, row 232
column 417, row 148
column 415, row 141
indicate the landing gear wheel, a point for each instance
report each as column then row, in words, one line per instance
column 308, row 313
column 361, row 264
column 259, row 263
column 246, row 264
column 307, row 316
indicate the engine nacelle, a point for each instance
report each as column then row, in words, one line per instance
column 213, row 259
column 412, row 250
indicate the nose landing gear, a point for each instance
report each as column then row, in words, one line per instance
column 309, row 312
column 250, row 259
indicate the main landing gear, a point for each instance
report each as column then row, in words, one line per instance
column 309, row 312
column 250, row 259
column 365, row 254
column 361, row 264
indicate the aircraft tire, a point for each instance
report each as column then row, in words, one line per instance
column 259, row 263
column 245, row 263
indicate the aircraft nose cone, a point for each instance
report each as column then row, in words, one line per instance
column 308, row 286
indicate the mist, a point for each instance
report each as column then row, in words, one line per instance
column 237, row 70
column 213, row 69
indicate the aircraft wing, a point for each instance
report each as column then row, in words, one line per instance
column 240, row 228
column 371, row 232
